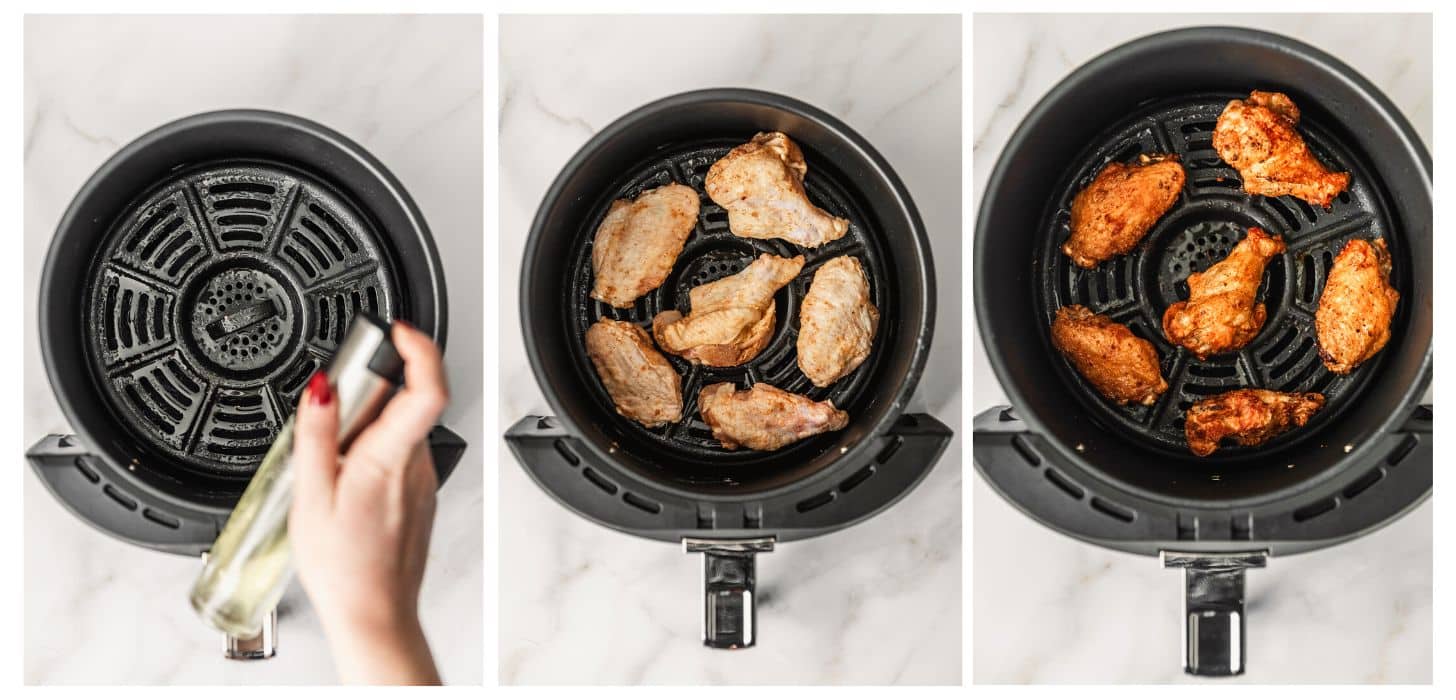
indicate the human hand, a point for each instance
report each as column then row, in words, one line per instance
column 360, row 525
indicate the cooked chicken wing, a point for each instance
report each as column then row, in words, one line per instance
column 1222, row 313
column 641, row 382
column 1249, row 416
column 1257, row 137
column 638, row 242
column 761, row 184
column 837, row 321
column 731, row 319
column 1122, row 366
column 1120, row 207
column 765, row 417
column 1355, row 309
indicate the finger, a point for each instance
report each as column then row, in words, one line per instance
column 409, row 416
column 316, row 445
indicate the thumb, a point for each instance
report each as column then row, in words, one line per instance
column 316, row 446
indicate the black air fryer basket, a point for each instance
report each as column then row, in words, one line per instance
column 676, row 483
column 1122, row 476
column 195, row 283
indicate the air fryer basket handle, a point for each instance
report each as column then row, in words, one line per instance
column 1213, row 609
column 730, row 618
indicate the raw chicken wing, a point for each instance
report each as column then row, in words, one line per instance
column 1249, row 416
column 1257, row 137
column 638, row 242
column 765, row 417
column 1122, row 366
column 761, row 184
column 837, row 321
column 1222, row 313
column 1120, row 207
column 1355, row 309
column 641, row 382
column 731, row 319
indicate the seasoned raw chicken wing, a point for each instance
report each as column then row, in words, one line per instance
column 1356, row 307
column 837, row 321
column 1257, row 137
column 638, row 242
column 761, row 185
column 1248, row 416
column 641, row 382
column 1120, row 206
column 765, row 417
column 1223, row 313
column 732, row 319
column 1122, row 366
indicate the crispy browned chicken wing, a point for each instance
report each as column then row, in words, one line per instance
column 765, row 417
column 638, row 242
column 731, row 319
column 837, row 321
column 1355, row 309
column 1122, row 366
column 641, row 382
column 1249, row 416
column 1120, row 207
column 761, row 184
column 1257, row 137
column 1222, row 313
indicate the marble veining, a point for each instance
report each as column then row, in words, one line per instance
column 99, row 611
column 1051, row 609
column 878, row 603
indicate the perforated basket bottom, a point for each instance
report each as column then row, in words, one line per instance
column 214, row 299
column 1211, row 215
column 713, row 252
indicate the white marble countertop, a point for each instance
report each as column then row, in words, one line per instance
column 1051, row 609
column 877, row 603
column 99, row 611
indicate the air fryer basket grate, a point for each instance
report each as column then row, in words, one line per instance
column 217, row 295
column 713, row 252
column 1211, row 215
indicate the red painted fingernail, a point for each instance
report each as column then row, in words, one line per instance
column 318, row 390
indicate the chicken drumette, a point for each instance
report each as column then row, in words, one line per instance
column 1223, row 313
column 1249, row 416
column 761, row 184
column 732, row 318
column 641, row 382
column 765, row 417
column 638, row 242
column 1121, row 205
column 1356, row 307
column 1122, row 366
column 1257, row 137
column 837, row 321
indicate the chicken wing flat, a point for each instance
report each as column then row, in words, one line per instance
column 1222, row 313
column 1355, row 309
column 761, row 185
column 1249, row 416
column 731, row 319
column 638, row 242
column 837, row 321
column 1257, row 137
column 765, row 417
column 1122, row 366
column 1121, row 205
column 641, row 382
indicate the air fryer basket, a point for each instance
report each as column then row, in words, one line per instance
column 197, row 280
column 676, row 483
column 1122, row 477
